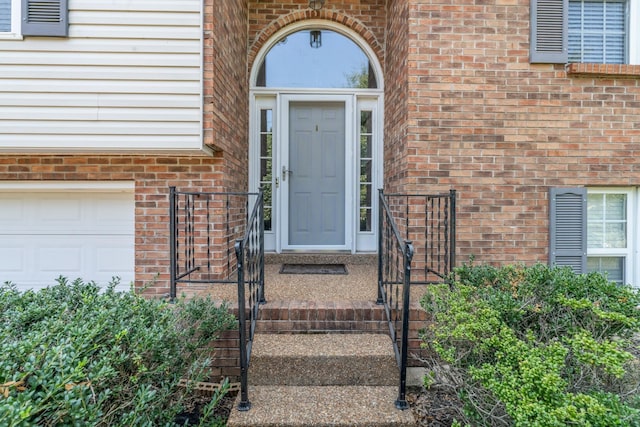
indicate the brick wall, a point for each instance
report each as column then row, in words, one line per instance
column 396, row 96
column 366, row 17
column 502, row 131
column 152, row 176
column 226, row 90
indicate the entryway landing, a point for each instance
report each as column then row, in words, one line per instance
column 360, row 284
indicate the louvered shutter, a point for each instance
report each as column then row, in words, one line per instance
column 44, row 18
column 5, row 16
column 568, row 228
column 549, row 31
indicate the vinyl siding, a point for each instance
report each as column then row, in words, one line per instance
column 128, row 77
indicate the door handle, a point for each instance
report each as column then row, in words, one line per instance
column 286, row 172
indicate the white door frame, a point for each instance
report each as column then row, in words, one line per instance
column 282, row 156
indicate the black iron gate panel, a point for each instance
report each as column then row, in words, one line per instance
column 416, row 246
column 204, row 227
column 429, row 221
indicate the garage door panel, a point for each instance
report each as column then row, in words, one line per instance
column 12, row 258
column 78, row 234
column 65, row 214
column 13, row 210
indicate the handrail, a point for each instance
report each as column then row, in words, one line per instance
column 194, row 216
column 250, row 259
column 389, row 278
column 430, row 220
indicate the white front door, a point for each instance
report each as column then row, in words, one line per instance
column 316, row 174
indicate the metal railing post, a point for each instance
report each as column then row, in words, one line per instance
column 244, row 404
column 380, row 301
column 172, row 243
column 452, row 232
column 401, row 402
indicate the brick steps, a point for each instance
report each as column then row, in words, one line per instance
column 322, row 317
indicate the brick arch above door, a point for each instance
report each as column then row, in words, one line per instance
column 351, row 23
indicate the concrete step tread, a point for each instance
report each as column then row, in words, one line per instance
column 330, row 345
column 323, row 360
column 321, row 406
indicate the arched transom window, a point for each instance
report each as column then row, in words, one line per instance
column 316, row 58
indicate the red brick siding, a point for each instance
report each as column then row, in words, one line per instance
column 365, row 17
column 503, row 131
column 152, row 176
column 396, row 96
column 226, row 94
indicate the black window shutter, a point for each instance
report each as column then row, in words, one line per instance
column 45, row 18
column 568, row 228
column 549, row 23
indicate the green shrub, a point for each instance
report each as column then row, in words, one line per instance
column 536, row 346
column 75, row 355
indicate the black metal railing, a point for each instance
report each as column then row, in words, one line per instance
column 431, row 220
column 218, row 238
column 250, row 256
column 204, row 227
column 394, row 279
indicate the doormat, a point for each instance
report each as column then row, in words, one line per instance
column 313, row 269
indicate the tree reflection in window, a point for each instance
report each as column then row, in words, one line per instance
column 337, row 63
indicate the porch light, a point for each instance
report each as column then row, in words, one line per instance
column 315, row 38
column 316, row 4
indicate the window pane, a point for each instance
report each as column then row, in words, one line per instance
column 616, row 207
column 265, row 145
column 365, row 219
column 266, row 121
column 365, row 121
column 595, row 207
column 265, row 170
column 365, row 195
column 615, row 236
column 365, row 171
column 266, row 164
column 365, row 146
column 5, row 16
column 607, row 221
column 268, row 223
column 613, row 267
column 316, row 58
column 597, row 31
column 595, row 235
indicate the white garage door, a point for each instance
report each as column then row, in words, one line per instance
column 73, row 232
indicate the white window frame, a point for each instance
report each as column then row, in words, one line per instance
column 633, row 43
column 630, row 253
column 15, row 33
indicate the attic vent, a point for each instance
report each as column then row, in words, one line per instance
column 44, row 18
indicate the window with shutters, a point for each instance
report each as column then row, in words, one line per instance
column 585, row 31
column 592, row 230
column 43, row 18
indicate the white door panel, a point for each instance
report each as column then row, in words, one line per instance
column 76, row 234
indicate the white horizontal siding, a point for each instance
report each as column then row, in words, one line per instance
column 128, row 77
